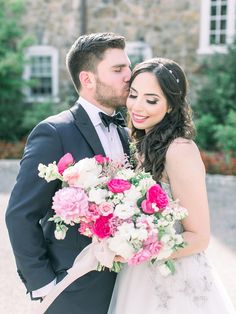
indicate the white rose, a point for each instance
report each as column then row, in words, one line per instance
column 124, row 211
column 97, row 196
column 132, row 195
column 120, row 246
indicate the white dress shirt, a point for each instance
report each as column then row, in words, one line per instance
column 109, row 137
column 113, row 148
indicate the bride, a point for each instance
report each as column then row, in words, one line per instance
column 163, row 131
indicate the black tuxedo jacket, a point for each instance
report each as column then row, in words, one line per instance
column 39, row 256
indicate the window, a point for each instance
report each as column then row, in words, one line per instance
column 42, row 71
column 138, row 51
column 217, row 27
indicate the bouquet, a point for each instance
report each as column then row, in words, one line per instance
column 124, row 211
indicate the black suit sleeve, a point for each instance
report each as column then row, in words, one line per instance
column 30, row 201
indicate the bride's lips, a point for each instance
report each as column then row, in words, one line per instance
column 138, row 118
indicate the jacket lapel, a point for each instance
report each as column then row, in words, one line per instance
column 86, row 127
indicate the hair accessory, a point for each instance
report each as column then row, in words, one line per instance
column 171, row 72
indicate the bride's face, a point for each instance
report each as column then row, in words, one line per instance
column 146, row 102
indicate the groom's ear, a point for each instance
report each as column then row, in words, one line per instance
column 87, row 79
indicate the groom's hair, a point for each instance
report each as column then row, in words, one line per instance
column 88, row 50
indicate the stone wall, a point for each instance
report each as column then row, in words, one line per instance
column 170, row 27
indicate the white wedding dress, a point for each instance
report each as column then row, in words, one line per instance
column 193, row 289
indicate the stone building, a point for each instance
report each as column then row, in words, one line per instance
column 183, row 30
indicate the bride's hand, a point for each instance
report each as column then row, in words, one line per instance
column 120, row 259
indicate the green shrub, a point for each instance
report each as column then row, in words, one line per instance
column 215, row 99
column 226, row 134
column 12, row 45
column 206, row 132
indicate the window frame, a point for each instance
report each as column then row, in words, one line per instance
column 42, row 51
column 204, row 39
column 138, row 48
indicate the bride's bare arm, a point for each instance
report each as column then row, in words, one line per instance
column 186, row 174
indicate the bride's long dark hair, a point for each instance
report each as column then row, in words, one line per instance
column 176, row 123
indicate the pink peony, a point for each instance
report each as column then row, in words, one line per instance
column 147, row 207
column 141, row 256
column 153, row 245
column 70, row 203
column 118, row 185
column 101, row 226
column 101, row 159
column 65, row 161
column 158, row 196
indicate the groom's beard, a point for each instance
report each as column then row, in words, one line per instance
column 110, row 97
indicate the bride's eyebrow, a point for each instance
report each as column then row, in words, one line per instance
column 133, row 89
column 152, row 94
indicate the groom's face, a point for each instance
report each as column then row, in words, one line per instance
column 112, row 78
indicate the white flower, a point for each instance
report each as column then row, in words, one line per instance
column 164, row 253
column 132, row 195
column 126, row 229
column 97, row 196
column 145, row 184
column 139, row 234
column 125, row 174
column 84, row 174
column 60, row 232
column 50, row 172
column 164, row 270
column 165, row 238
column 178, row 239
column 120, row 246
column 124, row 211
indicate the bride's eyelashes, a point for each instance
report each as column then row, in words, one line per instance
column 152, row 102
column 132, row 96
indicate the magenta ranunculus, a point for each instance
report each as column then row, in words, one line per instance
column 118, row 185
column 101, row 227
column 147, row 207
column 70, row 203
column 100, row 159
column 158, row 196
column 65, row 162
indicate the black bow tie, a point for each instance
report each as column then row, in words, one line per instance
column 117, row 119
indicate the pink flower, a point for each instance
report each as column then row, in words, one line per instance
column 151, row 248
column 118, row 185
column 141, row 256
column 71, row 176
column 70, row 203
column 153, row 245
column 86, row 228
column 156, row 195
column 101, row 226
column 147, row 207
column 65, row 162
column 106, row 208
column 101, row 159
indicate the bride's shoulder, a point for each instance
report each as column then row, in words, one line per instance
column 182, row 148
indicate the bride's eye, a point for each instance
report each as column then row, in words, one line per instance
column 132, row 96
column 152, row 102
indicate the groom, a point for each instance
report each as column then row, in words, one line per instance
column 100, row 71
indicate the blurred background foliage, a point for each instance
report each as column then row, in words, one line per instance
column 215, row 112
